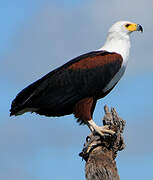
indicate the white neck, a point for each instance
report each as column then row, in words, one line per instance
column 119, row 43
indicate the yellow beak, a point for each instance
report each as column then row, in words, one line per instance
column 135, row 27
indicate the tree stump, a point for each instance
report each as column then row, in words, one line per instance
column 100, row 152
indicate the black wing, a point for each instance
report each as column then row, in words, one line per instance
column 56, row 93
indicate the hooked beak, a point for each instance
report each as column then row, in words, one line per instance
column 139, row 28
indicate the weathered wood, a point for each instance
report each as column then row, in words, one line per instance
column 100, row 153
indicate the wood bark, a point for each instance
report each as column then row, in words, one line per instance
column 100, row 152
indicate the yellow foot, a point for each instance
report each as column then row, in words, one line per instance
column 100, row 130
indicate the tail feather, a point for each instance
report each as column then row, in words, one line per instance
column 23, row 97
column 44, row 98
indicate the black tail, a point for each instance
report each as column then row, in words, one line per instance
column 23, row 98
column 46, row 97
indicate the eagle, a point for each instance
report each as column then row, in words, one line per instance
column 75, row 87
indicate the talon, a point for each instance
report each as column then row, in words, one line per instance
column 100, row 130
column 106, row 130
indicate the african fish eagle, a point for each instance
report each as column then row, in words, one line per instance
column 75, row 87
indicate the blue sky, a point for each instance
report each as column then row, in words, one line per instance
column 39, row 35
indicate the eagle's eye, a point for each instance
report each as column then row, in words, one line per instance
column 127, row 25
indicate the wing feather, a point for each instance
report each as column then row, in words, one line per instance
column 57, row 92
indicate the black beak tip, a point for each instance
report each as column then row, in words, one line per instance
column 140, row 28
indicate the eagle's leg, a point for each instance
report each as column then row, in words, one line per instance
column 100, row 130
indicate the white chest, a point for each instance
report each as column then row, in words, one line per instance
column 122, row 47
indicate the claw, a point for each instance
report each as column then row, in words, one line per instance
column 100, row 130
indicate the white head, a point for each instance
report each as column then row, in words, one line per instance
column 125, row 28
column 118, row 37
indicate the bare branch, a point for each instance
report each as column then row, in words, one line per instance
column 100, row 153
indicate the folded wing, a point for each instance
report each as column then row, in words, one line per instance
column 56, row 93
